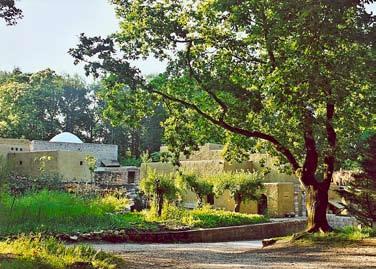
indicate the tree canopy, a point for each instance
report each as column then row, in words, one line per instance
column 285, row 77
column 9, row 12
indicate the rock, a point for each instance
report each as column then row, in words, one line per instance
column 73, row 237
column 268, row 242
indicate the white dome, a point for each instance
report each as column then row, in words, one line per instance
column 66, row 137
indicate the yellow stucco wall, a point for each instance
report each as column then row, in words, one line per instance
column 72, row 165
column 66, row 164
column 280, row 200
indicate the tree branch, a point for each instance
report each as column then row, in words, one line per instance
column 329, row 159
column 255, row 134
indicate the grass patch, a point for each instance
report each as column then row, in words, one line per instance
column 344, row 236
column 60, row 212
column 54, row 212
column 36, row 252
column 206, row 217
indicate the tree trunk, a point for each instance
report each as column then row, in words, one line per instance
column 159, row 203
column 317, row 203
column 210, row 199
column 200, row 201
column 238, row 201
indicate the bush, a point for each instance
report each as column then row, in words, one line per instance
column 131, row 161
column 159, row 189
column 202, row 187
column 242, row 186
column 204, row 217
column 36, row 252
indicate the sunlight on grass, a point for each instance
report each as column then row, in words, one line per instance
column 36, row 252
column 59, row 212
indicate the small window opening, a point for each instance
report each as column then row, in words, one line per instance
column 21, row 149
column 20, row 162
column 16, row 149
column 131, row 177
column 81, row 162
column 11, row 148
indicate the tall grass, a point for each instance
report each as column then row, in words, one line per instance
column 35, row 252
column 60, row 212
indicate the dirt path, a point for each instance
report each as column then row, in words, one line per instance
column 244, row 254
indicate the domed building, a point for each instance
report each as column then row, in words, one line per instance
column 65, row 154
column 66, row 137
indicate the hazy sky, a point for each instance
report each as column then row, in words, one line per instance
column 50, row 27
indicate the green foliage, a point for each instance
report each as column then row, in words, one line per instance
column 9, row 12
column 155, row 156
column 242, row 186
column 59, row 212
column 131, row 162
column 91, row 162
column 265, row 76
column 37, row 252
column 199, row 185
column 159, row 189
column 360, row 194
column 154, row 184
column 205, row 217
column 344, row 235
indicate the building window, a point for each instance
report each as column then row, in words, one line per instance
column 16, row 149
column 21, row 149
column 20, row 162
column 81, row 162
column 131, row 177
column 11, row 148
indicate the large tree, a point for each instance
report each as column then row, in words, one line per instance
column 294, row 78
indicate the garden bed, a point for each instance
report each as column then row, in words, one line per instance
column 67, row 216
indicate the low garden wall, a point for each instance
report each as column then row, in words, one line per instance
column 341, row 221
column 235, row 233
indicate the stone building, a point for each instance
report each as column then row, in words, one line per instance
column 282, row 196
column 66, row 155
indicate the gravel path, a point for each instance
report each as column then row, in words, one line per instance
column 243, row 254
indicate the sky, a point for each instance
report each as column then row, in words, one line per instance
column 50, row 27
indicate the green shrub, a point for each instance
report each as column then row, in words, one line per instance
column 202, row 187
column 159, row 188
column 204, row 217
column 242, row 186
column 131, row 161
column 155, row 156
column 36, row 252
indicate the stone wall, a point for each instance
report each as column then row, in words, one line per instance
column 99, row 151
column 117, row 175
column 341, row 221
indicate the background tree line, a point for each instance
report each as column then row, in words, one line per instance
column 37, row 106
